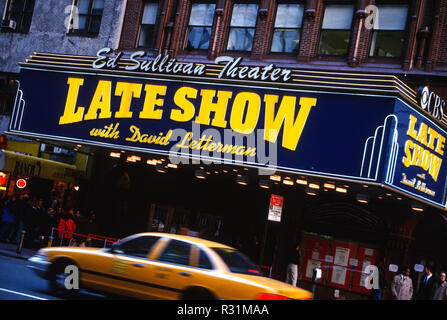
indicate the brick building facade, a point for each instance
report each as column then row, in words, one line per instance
column 425, row 50
column 309, row 41
column 422, row 61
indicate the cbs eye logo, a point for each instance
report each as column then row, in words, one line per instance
column 431, row 102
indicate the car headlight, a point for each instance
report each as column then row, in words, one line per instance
column 40, row 255
column 42, row 252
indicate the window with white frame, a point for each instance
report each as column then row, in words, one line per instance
column 200, row 26
column 147, row 26
column 389, row 31
column 287, row 29
column 242, row 27
column 336, row 30
column 87, row 17
column 18, row 16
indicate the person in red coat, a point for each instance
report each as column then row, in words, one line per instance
column 67, row 227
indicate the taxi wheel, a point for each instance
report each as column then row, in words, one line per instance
column 57, row 278
column 197, row 293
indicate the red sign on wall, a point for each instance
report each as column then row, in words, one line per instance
column 315, row 256
column 340, row 270
column 365, row 257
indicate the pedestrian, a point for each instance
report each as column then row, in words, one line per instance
column 42, row 218
column 70, row 228
column 402, row 285
column 441, row 288
column 48, row 223
column 92, row 228
column 7, row 229
column 61, row 216
column 376, row 294
column 93, row 225
column 253, row 248
column 81, row 228
column 293, row 261
column 237, row 243
column 428, row 285
column 20, row 217
column 31, row 222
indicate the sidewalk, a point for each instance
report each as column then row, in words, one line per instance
column 9, row 249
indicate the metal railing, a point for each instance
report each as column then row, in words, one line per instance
column 91, row 240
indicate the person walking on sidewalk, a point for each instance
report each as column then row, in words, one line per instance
column 293, row 263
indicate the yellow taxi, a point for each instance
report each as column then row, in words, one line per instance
column 163, row 266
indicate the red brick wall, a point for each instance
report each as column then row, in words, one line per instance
column 442, row 50
column 130, row 25
column 174, row 16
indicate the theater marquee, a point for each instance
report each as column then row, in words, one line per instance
column 357, row 127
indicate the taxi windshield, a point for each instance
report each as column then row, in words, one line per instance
column 237, row 262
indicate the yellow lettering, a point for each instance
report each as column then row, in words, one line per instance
column 186, row 138
column 70, row 115
column 151, row 100
column 417, row 156
column 100, row 102
column 425, row 163
column 407, row 159
column 188, row 109
column 136, row 134
column 285, row 116
column 245, row 101
column 219, row 108
column 411, row 131
column 422, row 134
column 433, row 134
column 127, row 91
column 143, row 138
column 440, row 145
column 435, row 165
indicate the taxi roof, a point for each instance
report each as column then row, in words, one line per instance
column 191, row 239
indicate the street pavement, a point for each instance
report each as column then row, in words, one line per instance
column 10, row 250
column 18, row 282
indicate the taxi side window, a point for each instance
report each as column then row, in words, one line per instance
column 204, row 261
column 176, row 252
column 138, row 247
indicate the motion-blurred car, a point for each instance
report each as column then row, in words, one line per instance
column 164, row 266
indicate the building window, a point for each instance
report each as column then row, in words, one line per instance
column 242, row 27
column 389, row 31
column 287, row 30
column 200, row 23
column 147, row 26
column 89, row 14
column 336, row 30
column 18, row 16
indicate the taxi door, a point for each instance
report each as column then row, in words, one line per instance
column 125, row 270
column 173, row 271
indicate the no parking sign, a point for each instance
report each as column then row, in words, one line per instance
column 275, row 208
